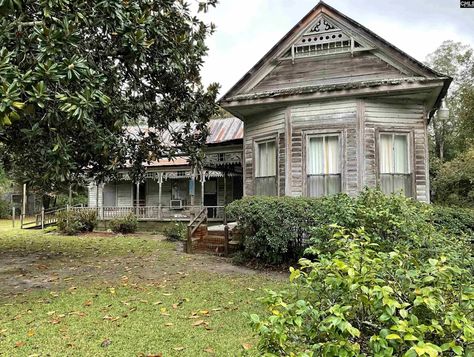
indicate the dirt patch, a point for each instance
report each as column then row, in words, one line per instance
column 23, row 272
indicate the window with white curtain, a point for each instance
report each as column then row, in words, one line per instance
column 324, row 165
column 394, row 164
column 265, row 168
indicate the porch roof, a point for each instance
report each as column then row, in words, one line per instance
column 220, row 131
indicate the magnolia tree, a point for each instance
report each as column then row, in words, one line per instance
column 75, row 74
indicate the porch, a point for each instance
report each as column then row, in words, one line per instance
column 170, row 194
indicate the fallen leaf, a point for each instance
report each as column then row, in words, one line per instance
column 204, row 312
column 88, row 303
column 19, row 344
column 250, row 289
column 198, row 323
column 246, row 346
column 31, row 333
column 106, row 343
column 157, row 303
column 55, row 322
column 169, row 324
column 209, row 350
column 178, row 348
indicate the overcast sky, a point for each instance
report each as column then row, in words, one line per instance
column 247, row 29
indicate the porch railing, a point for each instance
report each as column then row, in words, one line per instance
column 157, row 213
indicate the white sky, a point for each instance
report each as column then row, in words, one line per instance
column 247, row 29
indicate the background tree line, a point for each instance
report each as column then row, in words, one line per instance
column 452, row 135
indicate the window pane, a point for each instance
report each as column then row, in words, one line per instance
column 265, row 186
column 386, row 183
column 266, row 159
column 332, row 155
column 316, row 155
column 333, row 184
column 386, row 153
column 400, row 149
column 271, row 159
column 316, row 186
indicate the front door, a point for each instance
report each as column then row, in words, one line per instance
column 210, row 197
column 140, row 199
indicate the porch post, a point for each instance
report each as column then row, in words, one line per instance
column 137, row 199
column 225, row 189
column 203, row 180
column 23, row 211
column 70, row 195
column 97, row 198
column 192, row 187
column 160, row 187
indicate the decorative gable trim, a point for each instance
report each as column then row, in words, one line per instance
column 324, row 37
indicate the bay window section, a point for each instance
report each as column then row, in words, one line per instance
column 324, row 166
column 395, row 175
column 265, row 170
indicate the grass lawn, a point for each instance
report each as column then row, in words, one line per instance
column 104, row 295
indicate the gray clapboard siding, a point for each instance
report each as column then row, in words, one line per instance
column 398, row 116
column 124, row 194
column 318, row 71
column 92, row 195
column 318, row 118
column 264, row 125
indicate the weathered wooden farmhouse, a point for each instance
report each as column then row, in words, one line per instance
column 332, row 107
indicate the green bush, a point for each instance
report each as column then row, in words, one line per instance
column 454, row 220
column 125, row 225
column 273, row 228
column 5, row 209
column 277, row 229
column 362, row 300
column 175, row 232
column 73, row 222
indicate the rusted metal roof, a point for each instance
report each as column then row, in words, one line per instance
column 220, row 131
column 227, row 129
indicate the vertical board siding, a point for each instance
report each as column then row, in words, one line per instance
column 398, row 116
column 124, row 194
column 268, row 124
column 92, row 195
column 324, row 117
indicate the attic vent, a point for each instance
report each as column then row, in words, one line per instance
column 322, row 38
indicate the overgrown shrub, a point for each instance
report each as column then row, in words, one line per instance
column 454, row 220
column 5, row 209
column 73, row 222
column 273, row 227
column 125, row 225
column 362, row 300
column 175, row 232
column 276, row 229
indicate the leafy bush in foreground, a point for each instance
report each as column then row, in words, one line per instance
column 124, row 225
column 73, row 222
column 361, row 300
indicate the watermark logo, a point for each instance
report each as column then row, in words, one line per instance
column 467, row 4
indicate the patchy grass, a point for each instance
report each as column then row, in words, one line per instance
column 138, row 296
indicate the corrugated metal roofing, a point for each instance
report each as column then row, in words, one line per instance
column 220, row 130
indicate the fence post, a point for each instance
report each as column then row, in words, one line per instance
column 42, row 217
column 21, row 220
column 13, row 217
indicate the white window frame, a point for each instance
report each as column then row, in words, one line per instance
column 410, row 173
column 324, row 135
column 256, row 155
